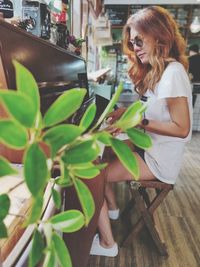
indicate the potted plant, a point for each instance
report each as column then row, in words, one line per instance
column 73, row 148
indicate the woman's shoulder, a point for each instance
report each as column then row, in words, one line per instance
column 174, row 69
column 175, row 66
column 174, row 81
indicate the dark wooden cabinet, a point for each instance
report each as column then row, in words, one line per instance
column 79, row 243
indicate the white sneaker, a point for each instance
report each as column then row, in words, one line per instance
column 97, row 249
column 113, row 214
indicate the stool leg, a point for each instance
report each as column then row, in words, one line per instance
column 140, row 223
column 145, row 196
column 154, row 234
column 146, row 219
column 128, row 208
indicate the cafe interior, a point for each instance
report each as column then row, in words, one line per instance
column 55, row 142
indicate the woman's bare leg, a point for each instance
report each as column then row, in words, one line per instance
column 109, row 193
column 105, row 232
column 110, row 197
column 116, row 172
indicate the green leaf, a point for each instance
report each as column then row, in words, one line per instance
column 47, row 230
column 86, row 170
column 129, row 123
column 39, row 122
column 35, row 169
column 126, row 157
column 132, row 116
column 84, row 152
column 37, row 249
column 101, row 166
column 64, row 106
column 85, row 198
column 103, row 137
column 61, row 135
column 36, row 211
column 4, row 206
column 27, row 85
column 50, row 258
column 132, row 110
column 56, row 198
column 3, row 230
column 88, row 116
column 64, row 180
column 19, row 106
column 13, row 134
column 82, row 166
column 61, row 251
column 86, row 173
column 139, row 138
column 68, row 221
column 6, row 168
column 110, row 106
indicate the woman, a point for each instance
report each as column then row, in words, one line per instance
column 157, row 53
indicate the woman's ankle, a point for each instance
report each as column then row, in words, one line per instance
column 106, row 244
column 112, row 206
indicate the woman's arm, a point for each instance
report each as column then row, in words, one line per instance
column 179, row 126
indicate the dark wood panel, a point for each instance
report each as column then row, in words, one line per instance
column 79, row 243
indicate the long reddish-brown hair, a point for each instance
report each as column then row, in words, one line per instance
column 169, row 46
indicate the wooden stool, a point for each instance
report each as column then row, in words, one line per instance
column 146, row 207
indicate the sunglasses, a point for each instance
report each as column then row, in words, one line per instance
column 136, row 41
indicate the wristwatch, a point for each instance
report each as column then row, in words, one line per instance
column 145, row 122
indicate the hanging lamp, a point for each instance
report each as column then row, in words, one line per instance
column 195, row 25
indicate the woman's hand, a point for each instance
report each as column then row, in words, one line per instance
column 114, row 131
column 115, row 115
column 111, row 119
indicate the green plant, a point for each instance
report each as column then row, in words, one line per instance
column 72, row 147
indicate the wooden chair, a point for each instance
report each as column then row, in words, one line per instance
column 146, row 207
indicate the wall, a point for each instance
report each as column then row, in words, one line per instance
column 17, row 5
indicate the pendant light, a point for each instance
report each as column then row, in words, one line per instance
column 195, row 25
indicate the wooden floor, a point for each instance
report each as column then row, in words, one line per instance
column 179, row 220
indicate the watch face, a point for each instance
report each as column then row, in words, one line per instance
column 145, row 122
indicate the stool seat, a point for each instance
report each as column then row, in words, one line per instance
column 146, row 207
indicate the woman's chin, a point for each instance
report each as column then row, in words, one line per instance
column 144, row 61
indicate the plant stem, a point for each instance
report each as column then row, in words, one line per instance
column 17, row 215
column 12, row 188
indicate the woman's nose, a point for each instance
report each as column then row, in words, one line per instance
column 137, row 48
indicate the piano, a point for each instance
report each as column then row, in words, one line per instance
column 55, row 70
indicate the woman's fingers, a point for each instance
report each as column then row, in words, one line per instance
column 115, row 115
column 113, row 130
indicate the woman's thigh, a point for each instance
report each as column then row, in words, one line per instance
column 116, row 172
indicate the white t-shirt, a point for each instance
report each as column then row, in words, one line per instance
column 165, row 156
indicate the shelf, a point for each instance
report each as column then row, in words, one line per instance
column 116, row 27
column 183, row 14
